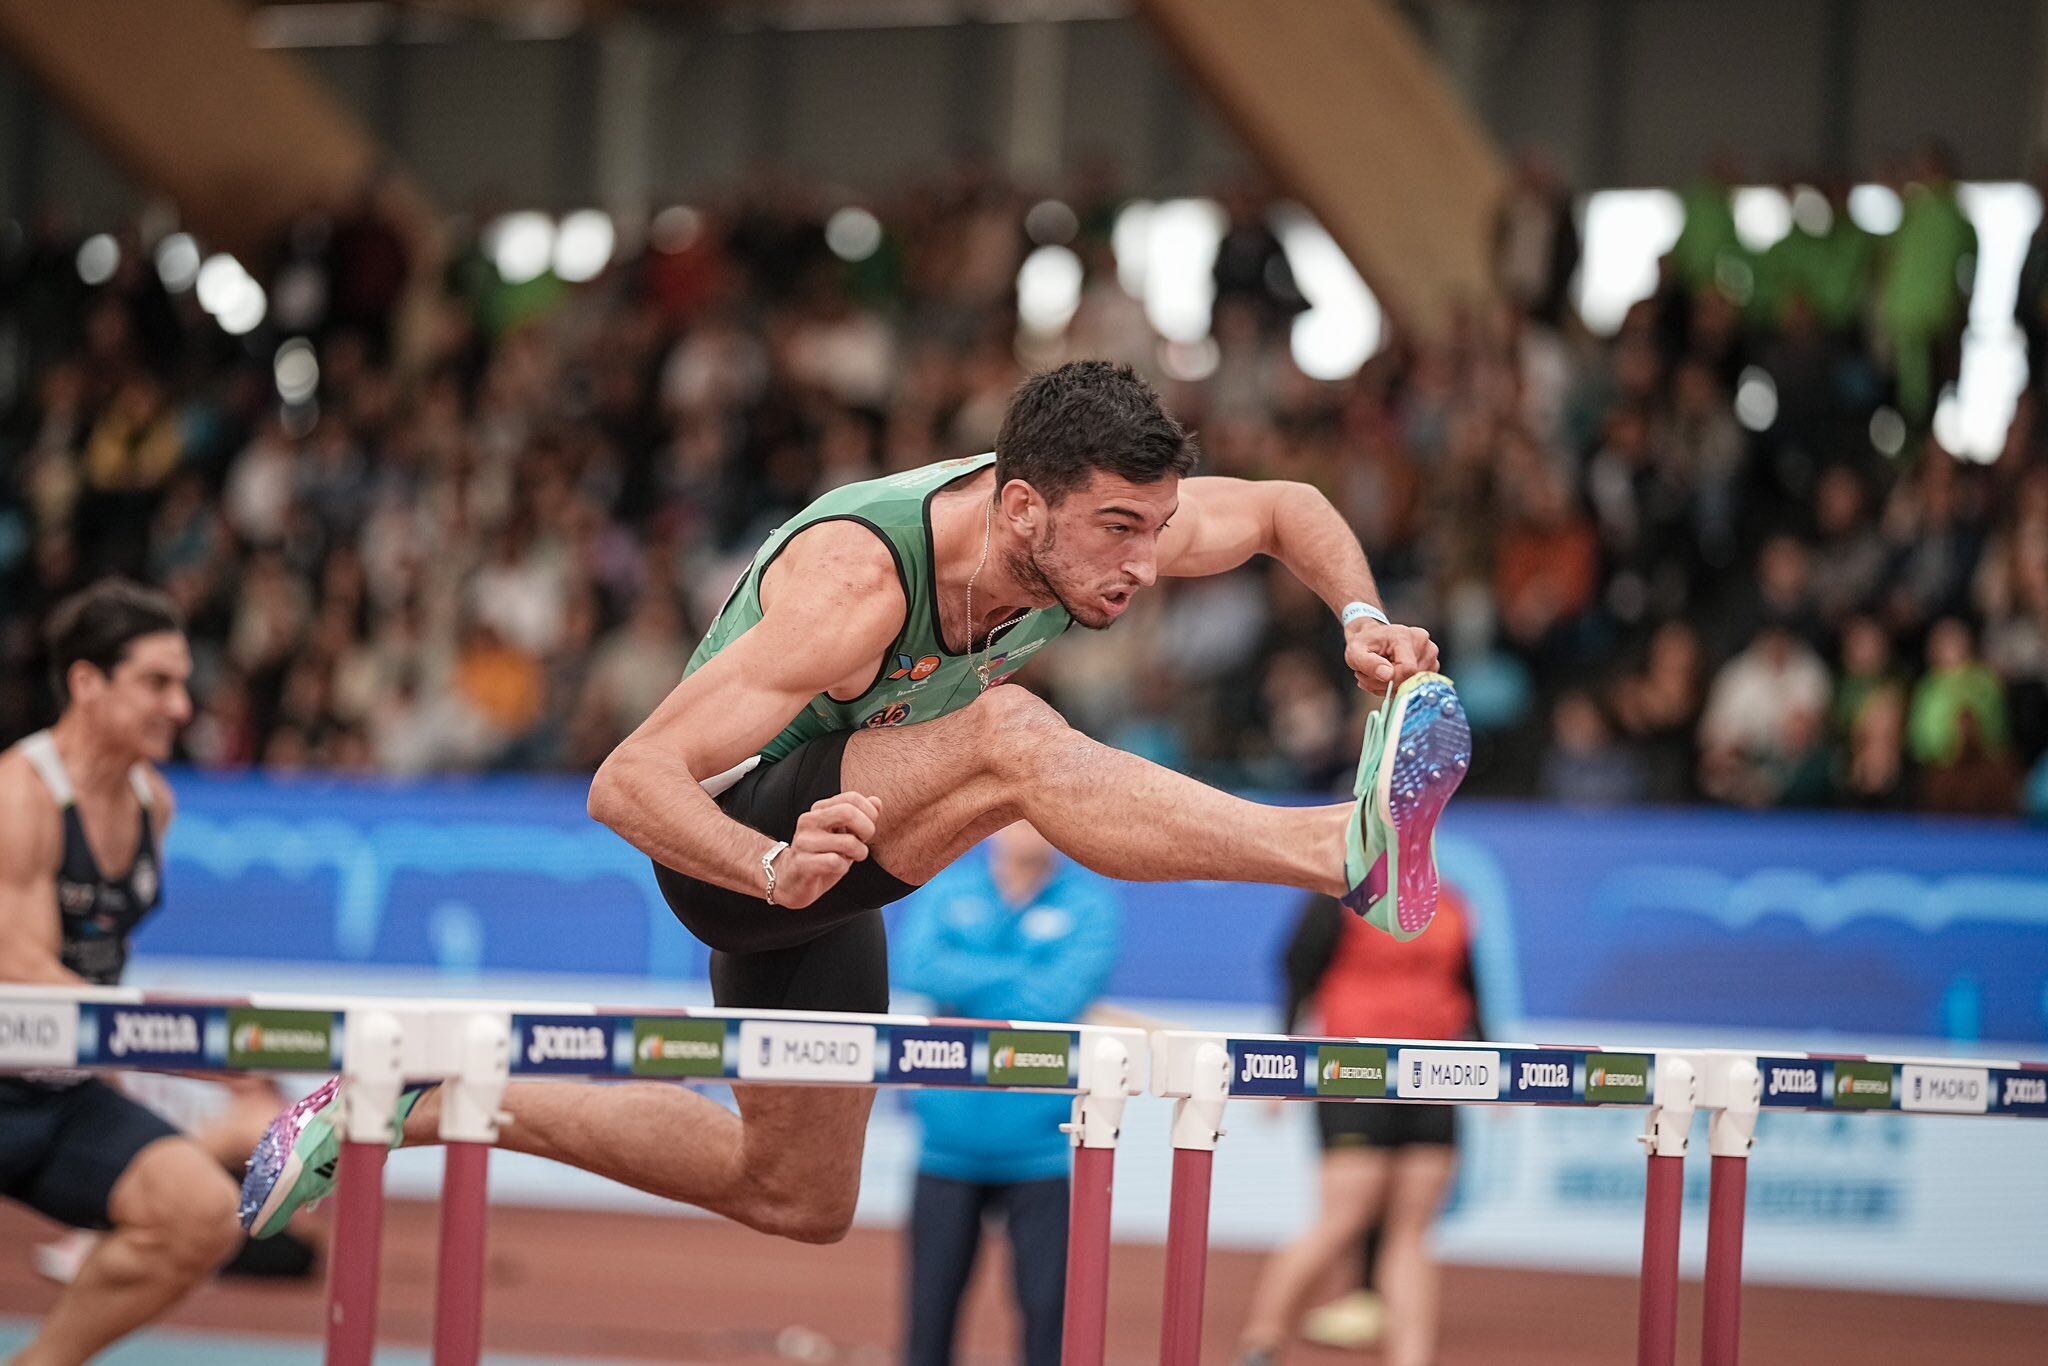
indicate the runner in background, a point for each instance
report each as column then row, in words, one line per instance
column 81, row 865
column 1386, row 1168
column 225, row 1115
column 1017, row 934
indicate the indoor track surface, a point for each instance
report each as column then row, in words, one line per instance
column 593, row 1289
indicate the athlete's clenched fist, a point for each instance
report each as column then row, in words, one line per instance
column 1383, row 657
column 830, row 838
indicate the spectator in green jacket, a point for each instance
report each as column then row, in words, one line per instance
column 1957, row 729
column 1924, row 293
column 1708, row 254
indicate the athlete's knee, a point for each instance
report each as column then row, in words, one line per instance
column 206, row 1227
column 182, row 1203
column 808, row 1216
column 1017, row 723
column 798, row 1200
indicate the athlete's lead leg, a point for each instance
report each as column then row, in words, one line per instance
column 946, row 784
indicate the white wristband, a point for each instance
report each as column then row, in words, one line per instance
column 768, row 868
column 1354, row 610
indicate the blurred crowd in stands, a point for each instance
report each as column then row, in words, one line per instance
column 494, row 518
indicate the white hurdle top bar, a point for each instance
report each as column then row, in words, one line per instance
column 122, row 1029
column 1435, row 1071
column 116, row 1028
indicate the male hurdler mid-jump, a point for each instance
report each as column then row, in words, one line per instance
column 839, row 738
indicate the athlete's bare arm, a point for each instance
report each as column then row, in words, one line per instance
column 832, row 606
column 166, row 808
column 1221, row 523
column 31, row 847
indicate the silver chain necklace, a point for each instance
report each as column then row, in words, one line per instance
column 988, row 531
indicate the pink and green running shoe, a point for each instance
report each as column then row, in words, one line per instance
column 293, row 1166
column 1418, row 746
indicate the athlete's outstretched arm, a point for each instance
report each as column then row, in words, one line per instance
column 31, row 845
column 1221, row 523
column 832, row 606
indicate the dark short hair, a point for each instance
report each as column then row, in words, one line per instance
column 98, row 624
column 1088, row 415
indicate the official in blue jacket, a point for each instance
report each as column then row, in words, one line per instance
column 1014, row 932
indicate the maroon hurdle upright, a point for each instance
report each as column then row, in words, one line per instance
column 1730, row 1136
column 1665, row 1137
column 373, row 1073
column 1197, row 1125
column 1097, row 1123
column 358, row 1246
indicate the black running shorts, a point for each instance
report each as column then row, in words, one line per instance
column 1385, row 1126
column 830, row 955
column 62, row 1147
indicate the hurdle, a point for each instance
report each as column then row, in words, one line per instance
column 1201, row 1072
column 474, row 1049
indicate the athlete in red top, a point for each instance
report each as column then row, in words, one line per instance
column 1385, row 1167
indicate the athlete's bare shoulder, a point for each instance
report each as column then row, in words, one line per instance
column 840, row 569
column 31, row 833
column 163, row 801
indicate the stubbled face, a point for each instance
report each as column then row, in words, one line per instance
column 143, row 704
column 1095, row 548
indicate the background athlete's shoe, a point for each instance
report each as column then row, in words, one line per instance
column 1353, row 1323
column 1417, row 748
column 294, row 1164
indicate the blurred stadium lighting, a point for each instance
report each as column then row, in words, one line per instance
column 1972, row 420
column 1875, row 208
column 675, row 228
column 1763, row 215
column 583, row 245
column 297, row 370
column 1175, row 247
column 1626, row 232
column 853, row 234
column 1130, row 240
column 1887, row 431
column 1051, row 223
column 1756, row 399
column 1343, row 326
column 236, row 302
column 1049, row 290
column 245, row 313
column 217, row 279
column 1190, row 362
column 177, row 262
column 521, row 245
column 98, row 258
column 1811, row 212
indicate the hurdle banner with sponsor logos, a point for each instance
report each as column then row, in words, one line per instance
column 706, row 1045
column 1779, row 934
column 1278, row 1067
column 168, row 1037
column 768, row 1049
